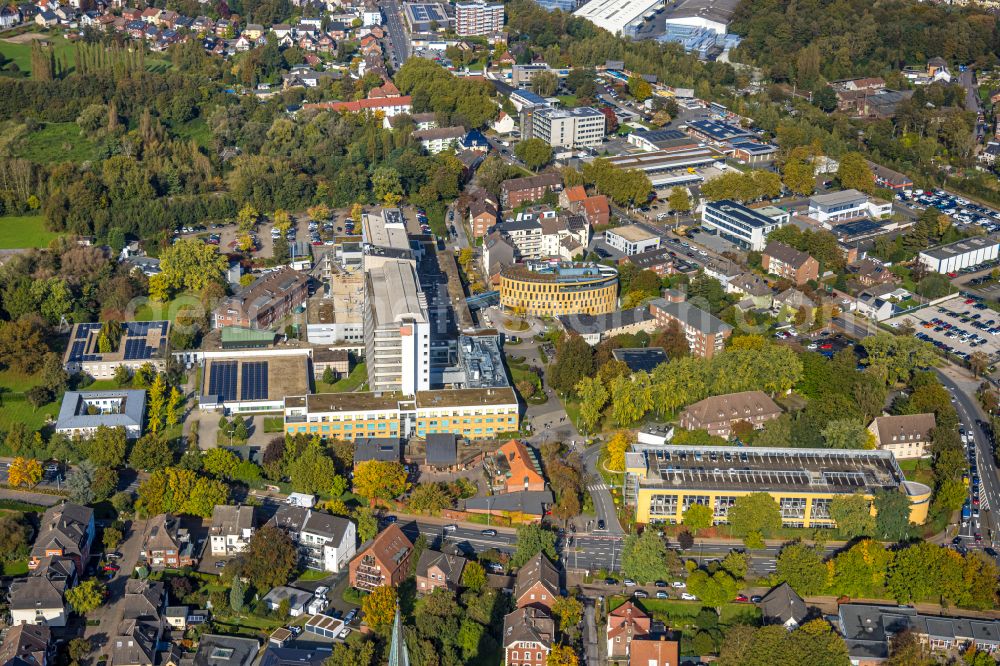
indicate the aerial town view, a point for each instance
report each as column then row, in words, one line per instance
column 499, row 333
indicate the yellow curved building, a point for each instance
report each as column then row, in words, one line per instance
column 551, row 288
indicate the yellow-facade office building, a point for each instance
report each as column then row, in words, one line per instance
column 553, row 288
column 661, row 482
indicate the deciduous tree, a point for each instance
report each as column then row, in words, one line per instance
column 24, row 472
column 269, row 559
column 86, row 596
column 379, row 607
column 378, row 479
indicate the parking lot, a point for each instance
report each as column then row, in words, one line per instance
column 962, row 212
column 959, row 326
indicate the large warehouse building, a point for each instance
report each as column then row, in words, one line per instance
column 962, row 254
column 618, row 16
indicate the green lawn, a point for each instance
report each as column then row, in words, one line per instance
column 15, row 568
column 103, row 385
column 13, row 410
column 24, row 231
column 313, row 575
column 65, row 51
column 56, row 142
column 21, row 53
column 352, row 382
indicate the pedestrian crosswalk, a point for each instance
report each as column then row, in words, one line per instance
column 984, row 500
column 599, row 486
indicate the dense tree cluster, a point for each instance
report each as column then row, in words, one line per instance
column 921, row 571
column 812, row 42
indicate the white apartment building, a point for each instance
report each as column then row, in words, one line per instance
column 582, row 127
column 525, row 234
column 397, row 329
column 478, row 18
column 327, row 542
column 836, row 207
column 632, row 239
column 231, row 529
column 744, row 226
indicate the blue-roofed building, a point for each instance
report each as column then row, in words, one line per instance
column 523, row 98
column 474, row 140
column 140, row 342
column 753, row 152
column 717, row 131
column 82, row 412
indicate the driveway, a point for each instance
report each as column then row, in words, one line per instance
column 111, row 613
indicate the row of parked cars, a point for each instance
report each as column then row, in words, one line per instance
column 962, row 211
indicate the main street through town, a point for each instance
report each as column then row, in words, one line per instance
column 399, row 42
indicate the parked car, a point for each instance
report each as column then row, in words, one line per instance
column 640, row 594
column 115, row 555
column 629, row 582
column 660, row 583
column 756, row 599
column 112, row 567
column 678, row 585
column 661, row 595
column 741, row 599
column 687, row 596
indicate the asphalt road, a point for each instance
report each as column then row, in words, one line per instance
column 400, row 43
column 989, row 487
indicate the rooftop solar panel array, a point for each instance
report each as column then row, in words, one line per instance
column 253, row 383
column 222, row 380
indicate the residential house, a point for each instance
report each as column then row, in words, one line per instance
column 528, row 506
column 327, row 542
column 483, row 215
column 868, row 630
column 166, row 544
column 659, row 261
column 9, row 17
column 435, row 569
column 537, row 583
column 515, row 466
column 705, row 334
column 385, row 562
column 792, row 301
column 907, row 436
column 752, row 287
column 27, row 645
column 719, row 414
column 596, row 209
column 654, row 651
column 870, row 273
column 624, row 624
column 253, row 31
column 571, row 196
column 39, row 599
column 517, row 191
column 66, row 530
column 232, row 527
column 528, row 636
column 141, row 628
column 788, row 263
column 297, row 599
column 46, row 18
column 217, row 650
column 782, row 605
column 498, row 254
column 875, row 304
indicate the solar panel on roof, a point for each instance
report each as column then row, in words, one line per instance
column 222, row 380
column 253, row 384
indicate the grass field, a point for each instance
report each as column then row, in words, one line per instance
column 13, row 410
column 15, row 568
column 24, row 231
column 65, row 51
column 56, row 142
